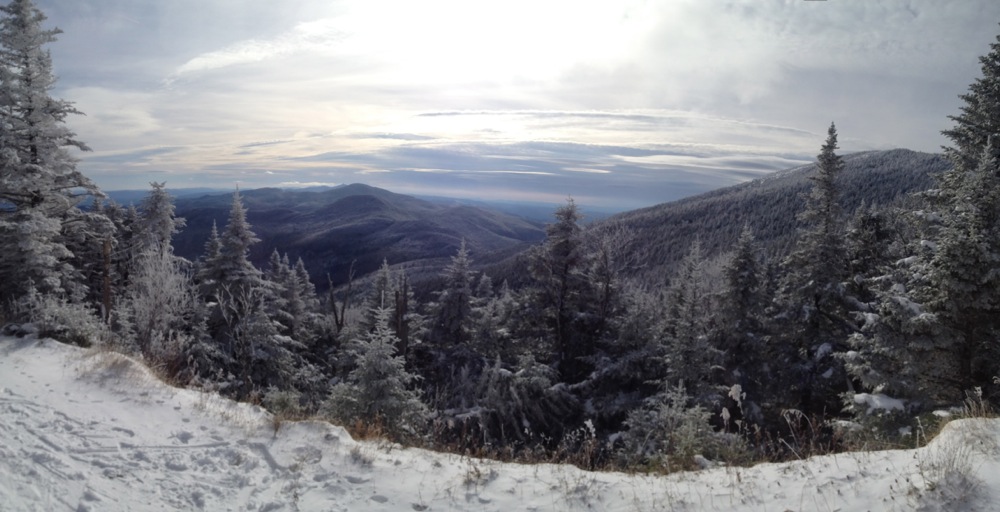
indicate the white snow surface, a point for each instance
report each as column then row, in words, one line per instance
column 82, row 430
column 879, row 402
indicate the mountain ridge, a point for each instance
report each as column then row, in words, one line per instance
column 352, row 224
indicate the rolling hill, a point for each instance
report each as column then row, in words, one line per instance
column 332, row 228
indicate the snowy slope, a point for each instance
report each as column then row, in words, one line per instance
column 95, row 431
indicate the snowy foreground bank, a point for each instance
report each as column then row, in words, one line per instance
column 86, row 431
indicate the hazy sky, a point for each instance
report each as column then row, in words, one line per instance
column 618, row 102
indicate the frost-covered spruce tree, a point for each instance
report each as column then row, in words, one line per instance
column 453, row 314
column 669, row 430
column 689, row 356
column 230, row 267
column 979, row 119
column 39, row 182
column 934, row 334
column 967, row 263
column 522, row 406
column 255, row 352
column 815, row 320
column 158, row 224
column 281, row 287
column 630, row 366
column 292, row 302
column 740, row 333
column 377, row 391
column 159, row 298
column 208, row 273
column 964, row 274
column 160, row 307
column 381, row 294
column 563, row 294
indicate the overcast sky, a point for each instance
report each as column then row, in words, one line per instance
column 618, row 103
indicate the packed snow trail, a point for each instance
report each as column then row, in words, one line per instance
column 95, row 431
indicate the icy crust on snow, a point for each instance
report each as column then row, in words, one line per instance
column 97, row 432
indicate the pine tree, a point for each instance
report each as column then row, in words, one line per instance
column 377, row 389
column 979, row 119
column 815, row 320
column 39, row 182
column 491, row 331
column 258, row 355
column 158, row 223
column 209, row 272
column 231, row 267
column 305, row 305
column 381, row 295
column 159, row 303
column 454, row 309
column 563, row 295
column 690, row 358
column 964, row 273
column 740, row 332
column 933, row 334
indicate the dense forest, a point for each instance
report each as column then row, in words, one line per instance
column 722, row 325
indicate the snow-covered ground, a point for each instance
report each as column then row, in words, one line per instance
column 88, row 431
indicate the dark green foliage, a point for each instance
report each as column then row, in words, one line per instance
column 563, row 294
column 452, row 317
column 813, row 318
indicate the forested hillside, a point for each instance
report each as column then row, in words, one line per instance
column 359, row 224
column 767, row 321
column 769, row 205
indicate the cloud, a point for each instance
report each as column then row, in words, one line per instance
column 306, row 36
column 630, row 101
column 393, row 136
column 300, row 184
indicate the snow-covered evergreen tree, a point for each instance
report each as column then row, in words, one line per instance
column 158, row 223
column 381, row 295
column 208, row 273
column 292, row 300
column 563, row 294
column 523, row 405
column 453, row 313
column 979, row 119
column 815, row 321
column 377, row 390
column 159, row 308
column 230, row 267
column 39, row 182
column 259, row 357
column 932, row 335
column 739, row 332
column 690, row 357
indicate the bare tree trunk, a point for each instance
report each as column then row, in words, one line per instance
column 338, row 318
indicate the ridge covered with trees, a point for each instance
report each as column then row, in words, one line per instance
column 707, row 327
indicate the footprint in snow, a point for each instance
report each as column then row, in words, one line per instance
column 124, row 431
